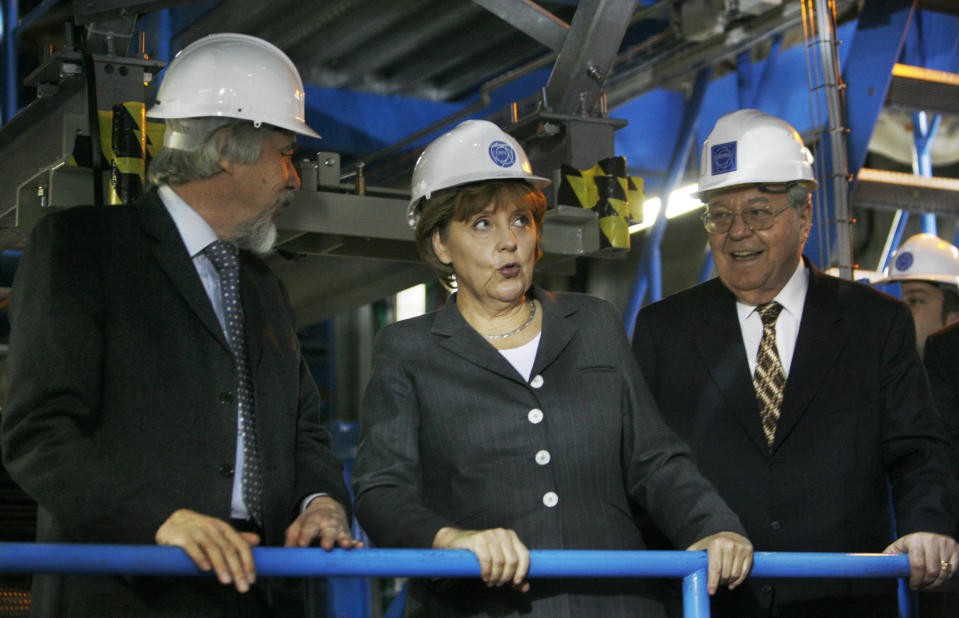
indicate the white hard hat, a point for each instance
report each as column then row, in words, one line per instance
column 749, row 147
column 472, row 151
column 234, row 76
column 924, row 257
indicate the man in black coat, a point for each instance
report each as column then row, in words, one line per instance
column 140, row 386
column 942, row 364
column 800, row 394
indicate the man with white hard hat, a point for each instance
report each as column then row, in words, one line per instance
column 927, row 267
column 157, row 393
column 801, row 395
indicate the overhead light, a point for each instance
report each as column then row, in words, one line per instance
column 681, row 201
column 411, row 302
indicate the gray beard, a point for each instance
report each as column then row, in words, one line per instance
column 259, row 236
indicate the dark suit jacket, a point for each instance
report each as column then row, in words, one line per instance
column 121, row 405
column 856, row 408
column 447, row 440
column 941, row 358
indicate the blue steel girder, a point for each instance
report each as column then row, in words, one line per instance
column 11, row 13
column 923, row 132
column 769, row 65
column 880, row 33
column 744, row 79
column 876, row 46
column 650, row 258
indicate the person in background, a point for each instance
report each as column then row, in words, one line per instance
column 156, row 388
column 927, row 267
column 801, row 395
column 941, row 358
column 513, row 418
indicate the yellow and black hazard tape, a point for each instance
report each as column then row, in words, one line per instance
column 607, row 189
column 128, row 142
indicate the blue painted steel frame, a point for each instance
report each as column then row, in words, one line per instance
column 11, row 14
column 314, row 562
column 649, row 271
column 695, row 594
column 923, row 132
column 12, row 25
column 881, row 31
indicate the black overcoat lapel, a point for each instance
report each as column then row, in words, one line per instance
column 721, row 348
column 173, row 258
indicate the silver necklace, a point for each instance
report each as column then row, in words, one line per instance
column 529, row 320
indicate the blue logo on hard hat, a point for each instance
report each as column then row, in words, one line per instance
column 502, row 154
column 904, row 260
column 723, row 158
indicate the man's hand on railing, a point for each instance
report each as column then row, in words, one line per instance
column 323, row 519
column 212, row 542
column 730, row 558
column 932, row 558
column 503, row 558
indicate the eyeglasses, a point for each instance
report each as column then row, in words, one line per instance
column 756, row 219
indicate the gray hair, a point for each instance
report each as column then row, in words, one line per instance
column 799, row 194
column 193, row 148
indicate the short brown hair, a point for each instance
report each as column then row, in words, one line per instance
column 463, row 202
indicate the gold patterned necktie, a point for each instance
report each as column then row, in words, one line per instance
column 769, row 379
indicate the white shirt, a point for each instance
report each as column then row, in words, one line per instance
column 522, row 358
column 197, row 235
column 792, row 297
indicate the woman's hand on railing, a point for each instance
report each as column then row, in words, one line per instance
column 503, row 558
column 932, row 558
column 212, row 543
column 730, row 558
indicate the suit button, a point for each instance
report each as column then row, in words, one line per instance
column 775, row 525
column 226, row 398
column 536, row 382
column 226, row 471
column 550, row 499
column 542, row 457
column 766, row 589
column 535, row 416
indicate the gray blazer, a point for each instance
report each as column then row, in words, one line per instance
column 450, row 434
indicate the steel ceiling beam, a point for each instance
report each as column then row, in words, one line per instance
column 446, row 55
column 531, row 19
column 405, row 38
column 920, row 89
column 678, row 63
column 886, row 190
column 587, row 55
column 355, row 30
column 88, row 11
column 232, row 16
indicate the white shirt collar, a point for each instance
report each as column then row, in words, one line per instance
column 792, row 297
column 194, row 230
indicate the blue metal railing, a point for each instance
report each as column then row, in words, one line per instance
column 313, row 562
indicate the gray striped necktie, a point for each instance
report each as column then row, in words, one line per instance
column 225, row 259
column 769, row 379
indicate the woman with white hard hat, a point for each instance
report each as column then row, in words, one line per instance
column 513, row 418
